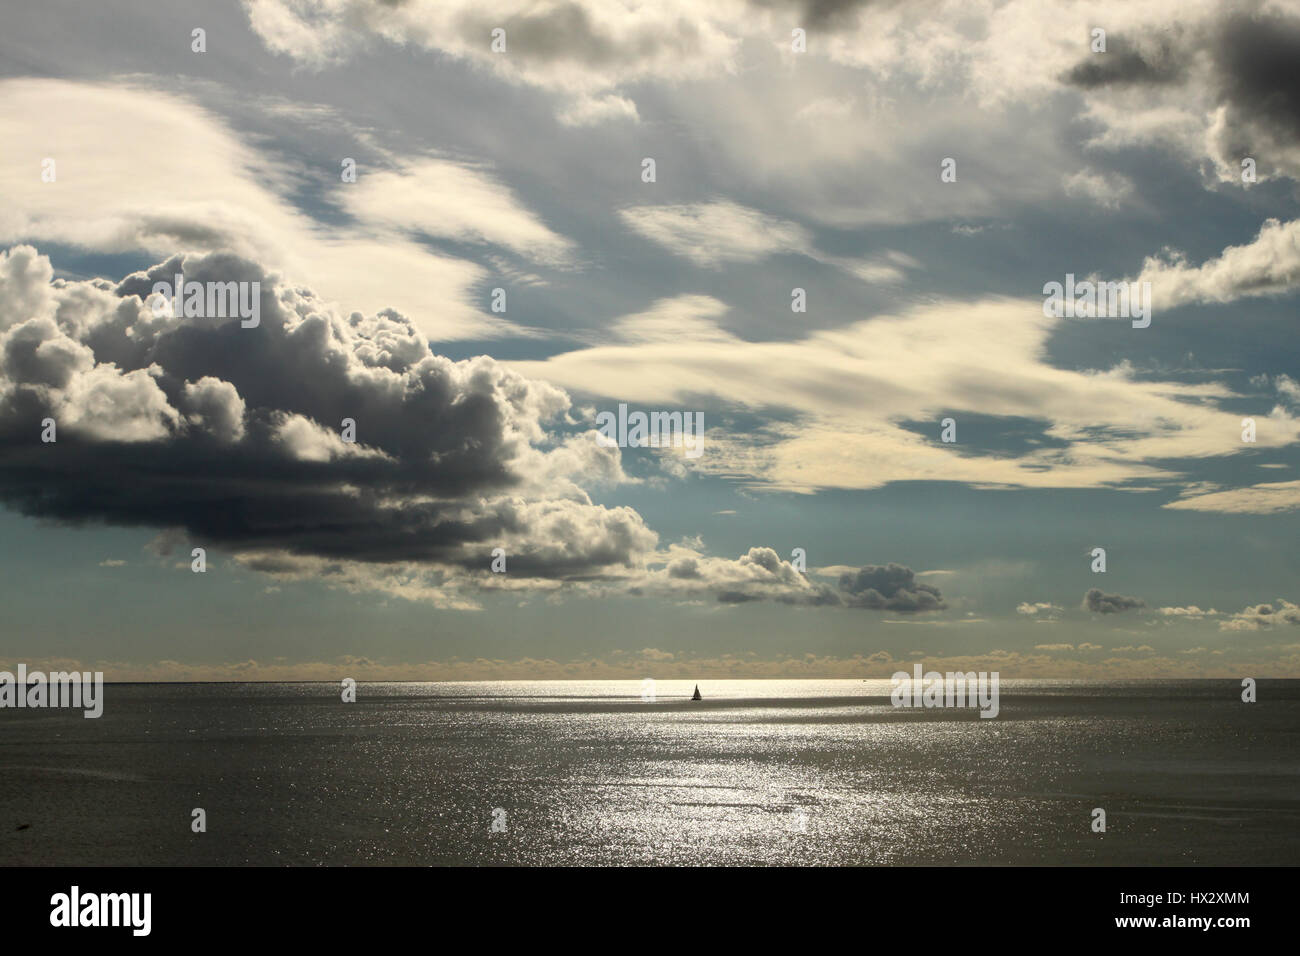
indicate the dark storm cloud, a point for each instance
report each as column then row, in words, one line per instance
column 1250, row 61
column 889, row 587
column 736, row 597
column 1259, row 62
column 821, row 13
column 232, row 433
column 566, row 32
column 1122, row 65
column 1100, row 602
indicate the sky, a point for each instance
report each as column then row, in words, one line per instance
column 826, row 228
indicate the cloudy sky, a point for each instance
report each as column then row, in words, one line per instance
column 796, row 145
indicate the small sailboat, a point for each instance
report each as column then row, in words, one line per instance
column 696, row 695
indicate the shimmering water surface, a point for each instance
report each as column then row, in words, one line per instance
column 759, row 772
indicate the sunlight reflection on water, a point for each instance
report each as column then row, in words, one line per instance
column 589, row 773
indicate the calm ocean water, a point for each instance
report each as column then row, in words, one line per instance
column 586, row 772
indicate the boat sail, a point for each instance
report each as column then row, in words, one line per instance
column 696, row 695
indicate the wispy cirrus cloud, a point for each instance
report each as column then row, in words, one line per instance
column 224, row 195
column 1266, row 498
column 845, row 396
column 715, row 232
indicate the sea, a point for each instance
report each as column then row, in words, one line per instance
column 599, row 773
